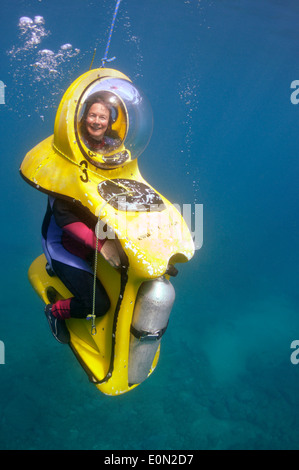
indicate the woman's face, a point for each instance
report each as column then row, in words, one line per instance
column 97, row 121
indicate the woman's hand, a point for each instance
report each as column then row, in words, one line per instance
column 111, row 254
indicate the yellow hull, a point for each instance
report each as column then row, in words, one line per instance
column 105, row 355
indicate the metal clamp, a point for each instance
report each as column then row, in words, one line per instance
column 147, row 336
column 93, row 326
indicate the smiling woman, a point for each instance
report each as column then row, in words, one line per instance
column 97, row 121
column 96, row 124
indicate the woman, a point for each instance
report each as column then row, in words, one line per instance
column 69, row 239
column 96, row 124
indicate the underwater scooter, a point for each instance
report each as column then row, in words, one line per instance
column 122, row 348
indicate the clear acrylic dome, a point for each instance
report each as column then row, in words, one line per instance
column 114, row 122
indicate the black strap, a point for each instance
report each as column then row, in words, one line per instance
column 147, row 335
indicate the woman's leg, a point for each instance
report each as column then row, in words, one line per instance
column 80, row 284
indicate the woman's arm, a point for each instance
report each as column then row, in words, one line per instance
column 83, row 234
column 86, row 236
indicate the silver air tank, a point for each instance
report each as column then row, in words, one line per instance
column 150, row 319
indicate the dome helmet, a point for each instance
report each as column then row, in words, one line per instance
column 129, row 126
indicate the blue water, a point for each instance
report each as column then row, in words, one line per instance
column 218, row 75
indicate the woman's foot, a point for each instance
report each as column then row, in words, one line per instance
column 58, row 326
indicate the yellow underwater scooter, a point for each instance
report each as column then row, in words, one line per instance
column 121, row 349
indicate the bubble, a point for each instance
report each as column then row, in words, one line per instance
column 38, row 73
column 47, row 52
column 39, row 20
column 34, row 40
column 66, row 47
column 25, row 22
column 134, row 44
column 31, row 34
column 188, row 93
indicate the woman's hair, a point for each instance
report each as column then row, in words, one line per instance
column 98, row 97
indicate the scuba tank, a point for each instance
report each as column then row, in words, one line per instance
column 150, row 319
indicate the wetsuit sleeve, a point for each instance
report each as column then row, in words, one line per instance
column 76, row 223
column 83, row 234
column 66, row 213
